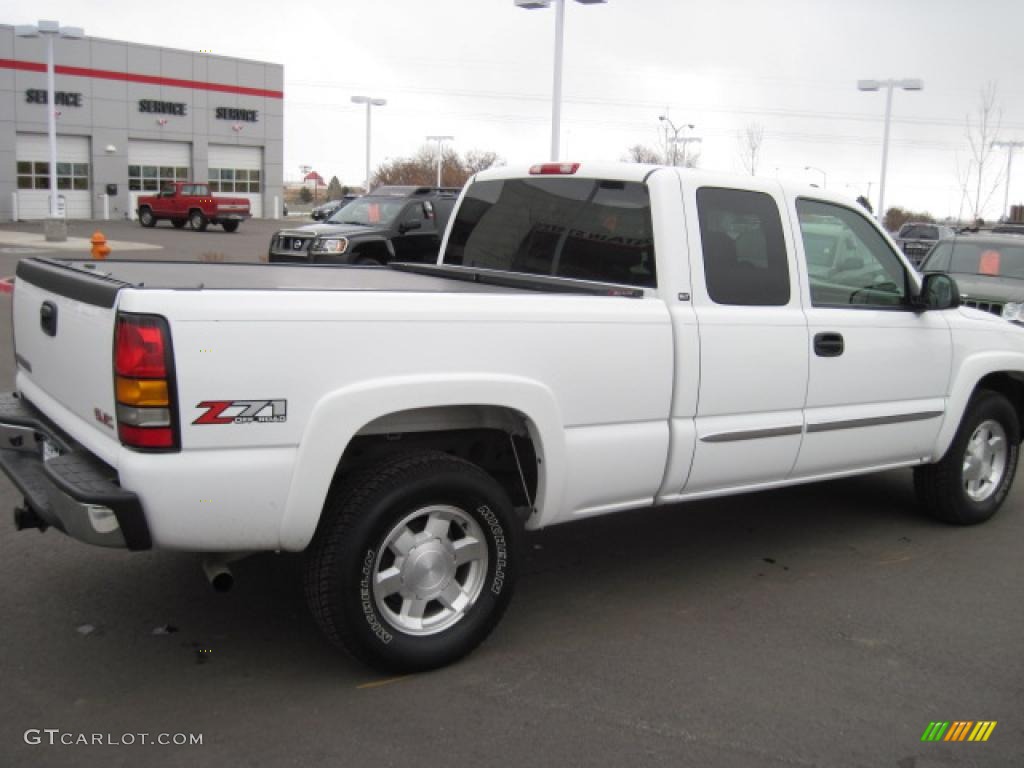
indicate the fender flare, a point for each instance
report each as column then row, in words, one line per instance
column 374, row 240
column 341, row 414
column 970, row 372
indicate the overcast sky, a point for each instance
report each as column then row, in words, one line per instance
column 481, row 70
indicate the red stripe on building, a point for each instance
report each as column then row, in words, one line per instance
column 106, row 74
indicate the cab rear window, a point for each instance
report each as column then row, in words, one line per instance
column 586, row 229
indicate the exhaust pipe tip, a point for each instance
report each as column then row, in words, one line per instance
column 219, row 575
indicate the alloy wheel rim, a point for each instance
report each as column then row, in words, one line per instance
column 430, row 570
column 985, row 461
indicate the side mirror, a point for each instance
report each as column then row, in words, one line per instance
column 938, row 291
column 408, row 226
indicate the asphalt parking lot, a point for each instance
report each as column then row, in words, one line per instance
column 825, row 625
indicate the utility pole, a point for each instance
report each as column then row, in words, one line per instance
column 1009, row 146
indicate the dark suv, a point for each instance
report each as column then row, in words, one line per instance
column 389, row 224
column 917, row 238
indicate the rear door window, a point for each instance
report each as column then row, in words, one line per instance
column 745, row 260
column 586, row 229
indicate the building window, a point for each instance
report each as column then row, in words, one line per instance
column 36, row 175
column 234, row 180
column 150, row 178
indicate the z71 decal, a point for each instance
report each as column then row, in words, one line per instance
column 242, row 411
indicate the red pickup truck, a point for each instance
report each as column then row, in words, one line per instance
column 187, row 201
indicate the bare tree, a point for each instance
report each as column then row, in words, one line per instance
column 421, row 168
column 982, row 130
column 640, row 153
column 750, row 140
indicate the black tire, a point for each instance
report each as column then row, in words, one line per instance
column 351, row 548
column 942, row 488
column 368, row 261
column 146, row 218
column 197, row 221
column 229, row 226
column 178, row 223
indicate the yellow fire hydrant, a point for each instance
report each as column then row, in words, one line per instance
column 100, row 249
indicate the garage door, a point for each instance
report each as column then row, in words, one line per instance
column 238, row 171
column 153, row 163
column 32, row 154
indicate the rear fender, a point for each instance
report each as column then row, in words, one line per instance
column 340, row 415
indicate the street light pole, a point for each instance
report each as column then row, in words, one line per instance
column 1009, row 146
column 51, row 30
column 911, row 84
column 556, row 90
column 684, row 141
column 824, row 176
column 370, row 102
column 675, row 141
column 440, row 140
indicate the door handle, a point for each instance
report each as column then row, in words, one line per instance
column 48, row 318
column 828, row 344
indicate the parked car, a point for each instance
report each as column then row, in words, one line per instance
column 916, row 238
column 389, row 224
column 187, row 201
column 989, row 270
column 1009, row 228
column 326, row 210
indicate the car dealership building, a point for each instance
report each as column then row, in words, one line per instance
column 129, row 119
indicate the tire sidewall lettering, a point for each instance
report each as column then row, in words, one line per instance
column 500, row 544
column 366, row 603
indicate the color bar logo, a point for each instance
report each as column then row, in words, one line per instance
column 959, row 730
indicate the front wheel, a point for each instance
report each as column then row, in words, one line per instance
column 229, row 226
column 146, row 218
column 197, row 221
column 969, row 484
column 414, row 562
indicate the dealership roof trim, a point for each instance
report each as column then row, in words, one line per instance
column 130, row 77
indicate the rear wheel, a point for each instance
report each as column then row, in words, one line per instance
column 413, row 565
column 969, row 484
column 178, row 223
column 146, row 218
column 197, row 221
column 229, row 226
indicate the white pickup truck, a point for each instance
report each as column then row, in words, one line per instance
column 591, row 339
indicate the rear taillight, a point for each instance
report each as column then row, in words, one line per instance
column 144, row 383
column 554, row 169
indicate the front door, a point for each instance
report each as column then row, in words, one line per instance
column 879, row 371
column 417, row 238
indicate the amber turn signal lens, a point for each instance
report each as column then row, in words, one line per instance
column 142, row 392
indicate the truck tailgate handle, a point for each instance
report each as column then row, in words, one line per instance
column 828, row 344
column 48, row 318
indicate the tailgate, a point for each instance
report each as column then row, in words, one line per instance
column 63, row 341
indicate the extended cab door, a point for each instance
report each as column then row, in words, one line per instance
column 879, row 371
column 753, row 338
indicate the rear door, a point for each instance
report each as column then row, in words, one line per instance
column 753, row 339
